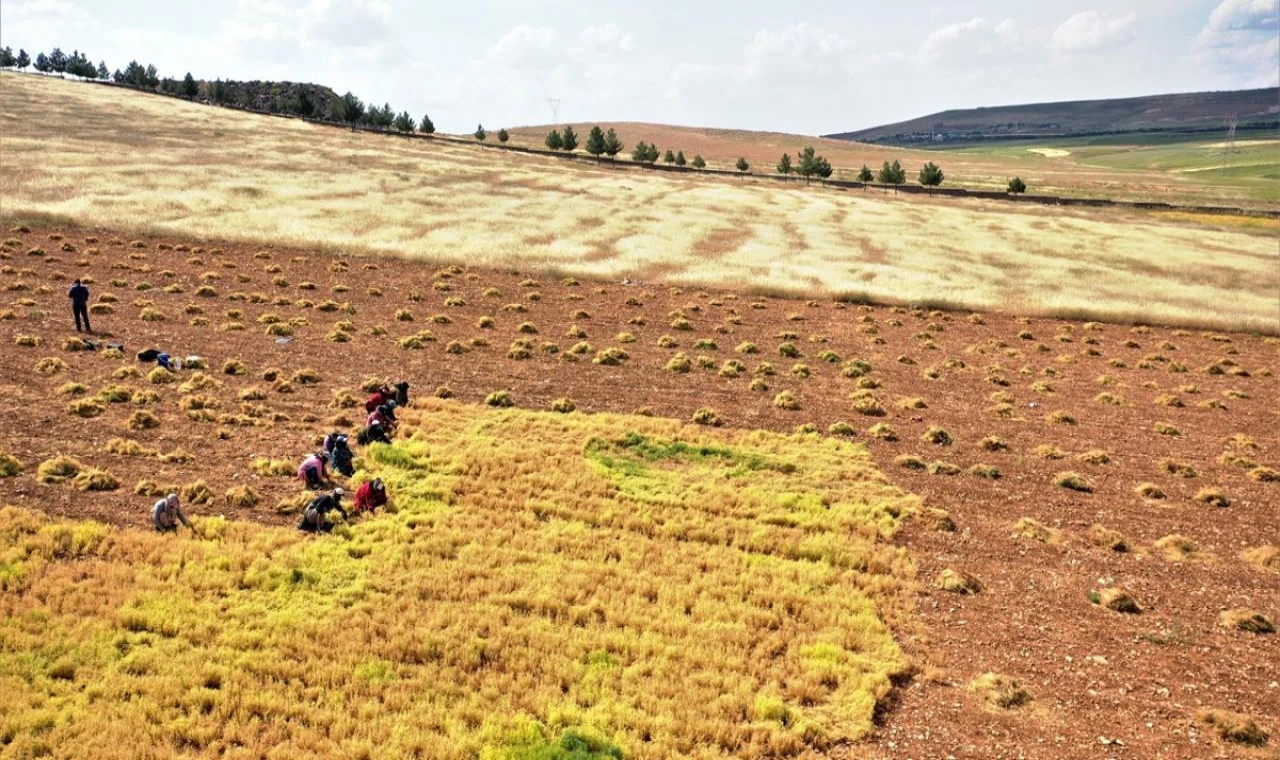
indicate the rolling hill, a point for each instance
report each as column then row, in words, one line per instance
column 1187, row 112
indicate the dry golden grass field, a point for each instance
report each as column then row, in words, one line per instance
column 131, row 161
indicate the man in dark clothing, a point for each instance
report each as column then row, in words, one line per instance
column 79, row 296
column 315, row 518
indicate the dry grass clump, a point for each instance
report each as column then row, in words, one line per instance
column 937, row 436
column 152, row 315
column 958, row 582
column 611, row 357
column 143, row 397
column 242, row 496
column 1250, row 621
column 95, row 479
column 1212, row 497
column 9, row 465
column 502, row 399
column 1234, row 727
column 197, row 493
column 416, row 341
column 1111, row 399
column 1177, row 469
column 50, row 365
column 841, row 428
column 1073, row 482
column 57, row 470
column 938, row 520
column 1176, row 547
column 1094, row 456
column 866, row 403
column 72, row 388
column 1000, row 691
column 1034, row 530
column 30, row 341
column 680, row 363
column 939, row 467
column 983, row 470
column 279, row 330
column 86, row 407
column 1061, row 417
column 994, row 443
column 161, row 376
column 785, row 400
column 1107, row 538
column 142, row 420
column 1264, row 475
column 910, row 461
column 705, row 416
column 912, row 403
column 1117, row 600
column 1265, row 557
column 129, row 447
column 882, row 431
column 1164, row 428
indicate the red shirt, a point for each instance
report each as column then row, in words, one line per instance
column 369, row 499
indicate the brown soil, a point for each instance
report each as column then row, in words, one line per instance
column 1102, row 684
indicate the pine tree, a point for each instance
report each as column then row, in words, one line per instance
column 58, row 61
column 668, row 157
column 698, row 162
column 784, row 165
column 931, row 175
column 595, row 142
column 680, row 158
column 742, row 164
column 892, row 174
column 612, row 145
column 866, row 175
column 403, row 123
column 1017, row 186
column 348, row 109
column 189, row 87
column 568, row 138
column 554, row 141
column 426, row 126
column 42, row 63
column 503, row 135
column 480, row 134
column 6, row 58
column 24, row 60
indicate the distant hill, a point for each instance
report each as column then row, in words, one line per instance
column 1188, row 112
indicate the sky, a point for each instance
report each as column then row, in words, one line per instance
column 806, row 67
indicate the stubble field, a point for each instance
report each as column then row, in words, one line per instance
column 973, row 425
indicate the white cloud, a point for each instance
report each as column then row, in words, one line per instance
column 41, row 24
column 1241, row 41
column 1092, row 31
column 971, row 40
column 606, row 38
column 526, row 47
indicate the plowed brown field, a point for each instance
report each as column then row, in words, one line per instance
column 1102, row 684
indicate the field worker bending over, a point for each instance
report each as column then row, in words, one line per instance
column 79, row 295
column 312, row 472
column 382, row 416
column 340, row 453
column 315, row 518
column 370, row 496
column 166, row 515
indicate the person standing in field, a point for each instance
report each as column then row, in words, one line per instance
column 79, row 295
column 166, row 515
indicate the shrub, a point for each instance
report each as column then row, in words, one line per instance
column 882, row 432
column 705, row 416
column 500, row 399
column 958, row 582
column 142, row 420
column 842, row 429
column 937, row 436
column 563, row 405
column 1000, row 691
column 9, row 465
column 1117, row 600
column 1234, row 727
column 910, row 461
column 197, row 492
column 86, row 408
column 1033, row 530
column 242, row 496
column 57, row 470
column 1072, row 481
column 679, row 363
column 95, row 479
column 50, row 365
column 801, row 371
column 1213, row 497
column 788, row 351
column 786, row 401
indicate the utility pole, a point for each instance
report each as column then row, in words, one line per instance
column 1229, row 145
column 555, row 109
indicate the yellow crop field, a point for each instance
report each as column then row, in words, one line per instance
column 125, row 160
column 544, row 584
